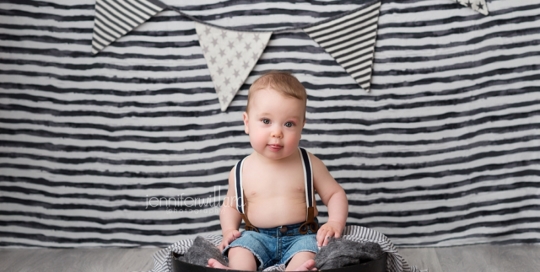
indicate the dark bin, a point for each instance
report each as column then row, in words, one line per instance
column 378, row 265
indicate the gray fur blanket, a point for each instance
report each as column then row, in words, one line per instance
column 362, row 243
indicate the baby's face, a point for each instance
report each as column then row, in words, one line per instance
column 274, row 123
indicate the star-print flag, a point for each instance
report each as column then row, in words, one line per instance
column 115, row 18
column 230, row 56
column 477, row 5
column 350, row 39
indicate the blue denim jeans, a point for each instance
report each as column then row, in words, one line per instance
column 275, row 245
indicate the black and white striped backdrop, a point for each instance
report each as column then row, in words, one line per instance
column 445, row 150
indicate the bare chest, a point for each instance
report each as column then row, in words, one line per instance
column 268, row 183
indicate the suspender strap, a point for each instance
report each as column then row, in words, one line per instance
column 310, row 196
column 239, row 191
column 309, row 189
column 308, row 176
column 248, row 225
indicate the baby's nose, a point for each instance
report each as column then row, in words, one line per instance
column 276, row 133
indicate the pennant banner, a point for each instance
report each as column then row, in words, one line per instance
column 477, row 5
column 351, row 41
column 230, row 56
column 114, row 19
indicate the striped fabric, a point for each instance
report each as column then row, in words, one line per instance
column 115, row 18
column 443, row 151
column 395, row 262
column 351, row 41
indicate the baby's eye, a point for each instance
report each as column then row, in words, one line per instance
column 289, row 124
column 265, row 121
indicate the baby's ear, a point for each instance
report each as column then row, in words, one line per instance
column 246, row 119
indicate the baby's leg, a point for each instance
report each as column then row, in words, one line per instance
column 302, row 261
column 242, row 259
column 239, row 259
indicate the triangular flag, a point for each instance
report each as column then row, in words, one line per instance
column 230, row 56
column 477, row 5
column 350, row 39
column 115, row 18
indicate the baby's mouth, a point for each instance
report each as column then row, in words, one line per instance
column 275, row 146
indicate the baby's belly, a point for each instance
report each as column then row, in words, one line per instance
column 269, row 214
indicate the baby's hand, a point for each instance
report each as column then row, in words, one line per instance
column 228, row 237
column 328, row 230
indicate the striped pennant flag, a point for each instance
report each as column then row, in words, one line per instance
column 115, row 18
column 350, row 39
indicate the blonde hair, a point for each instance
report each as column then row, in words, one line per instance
column 283, row 82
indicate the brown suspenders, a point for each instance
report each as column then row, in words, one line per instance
column 310, row 223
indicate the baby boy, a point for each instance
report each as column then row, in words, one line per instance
column 273, row 189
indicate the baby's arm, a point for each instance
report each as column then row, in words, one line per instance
column 333, row 196
column 229, row 216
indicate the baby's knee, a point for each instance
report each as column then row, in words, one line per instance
column 242, row 259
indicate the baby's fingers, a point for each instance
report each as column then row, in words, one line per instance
column 329, row 235
column 223, row 245
column 236, row 234
column 228, row 239
column 323, row 237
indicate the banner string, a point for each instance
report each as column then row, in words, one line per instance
column 279, row 31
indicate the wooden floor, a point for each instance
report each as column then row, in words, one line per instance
column 492, row 258
column 477, row 258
